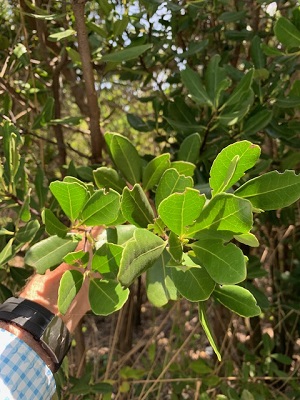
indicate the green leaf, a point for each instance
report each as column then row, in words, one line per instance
column 49, row 252
column 257, row 122
column 194, row 284
column 171, row 182
column 119, row 26
column 120, row 234
column 159, row 285
column 233, row 16
column 181, row 209
column 272, row 190
column 192, row 81
column 183, row 167
column 101, row 209
column 287, row 33
column 154, row 170
column 45, row 115
column 53, row 224
column 257, row 55
column 25, row 213
column 208, row 331
column 247, row 238
column 125, row 157
column 136, row 207
column 238, row 300
column 41, row 189
column 58, row 36
column 234, row 114
column 106, row 296
column 77, row 258
column 190, row 148
column 216, row 79
column 7, row 252
column 242, row 87
column 69, row 286
column 108, row 178
column 222, row 173
column 127, row 54
column 139, row 254
column 175, row 247
column 106, row 260
column 225, row 264
column 138, row 123
column 27, row 233
column 70, row 196
column 225, row 212
column 288, row 102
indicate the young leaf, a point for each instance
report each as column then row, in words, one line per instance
column 159, row 285
column 126, row 54
column 190, row 148
column 106, row 296
column 225, row 212
column 49, row 252
column 226, row 264
column 171, row 182
column 192, row 81
column 70, row 196
column 272, row 190
column 238, row 300
column 106, row 260
column 108, row 178
column 139, row 254
column 101, row 209
column 208, row 331
column 287, row 33
column 181, row 209
column 154, row 170
column 194, row 284
column 125, row 157
column 53, row 224
column 184, row 167
column 58, row 36
column 222, row 174
column 69, row 286
column 136, row 207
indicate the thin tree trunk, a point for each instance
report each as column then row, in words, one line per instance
column 97, row 139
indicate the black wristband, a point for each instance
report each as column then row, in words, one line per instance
column 47, row 328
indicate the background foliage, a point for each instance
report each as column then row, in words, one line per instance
column 181, row 80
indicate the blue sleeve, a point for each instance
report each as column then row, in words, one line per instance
column 23, row 374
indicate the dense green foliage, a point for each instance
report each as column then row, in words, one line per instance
column 197, row 186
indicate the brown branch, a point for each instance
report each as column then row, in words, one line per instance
column 97, row 139
column 57, row 111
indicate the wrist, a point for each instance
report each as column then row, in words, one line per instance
column 47, row 329
column 28, row 338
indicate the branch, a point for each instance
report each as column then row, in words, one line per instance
column 97, row 139
column 57, row 110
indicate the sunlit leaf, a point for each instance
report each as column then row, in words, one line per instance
column 106, row 296
column 238, row 300
column 139, row 254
